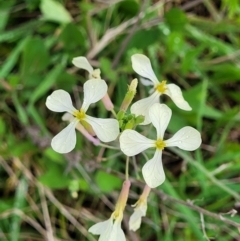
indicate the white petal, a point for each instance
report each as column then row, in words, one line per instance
column 160, row 116
column 136, row 218
column 117, row 233
column 142, row 65
column 145, row 81
column 132, row 143
column 142, row 106
column 102, row 227
column 60, row 101
column 153, row 172
column 187, row 138
column 65, row 140
column 94, row 90
column 175, row 93
column 82, row 63
column 106, row 129
column 67, row 117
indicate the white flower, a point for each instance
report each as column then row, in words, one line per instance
column 136, row 218
column 132, row 143
column 82, row 63
column 60, row 101
column 139, row 210
column 109, row 230
column 142, row 65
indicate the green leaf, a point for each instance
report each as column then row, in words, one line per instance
column 225, row 73
column 34, row 113
column 19, row 203
column 12, row 59
column 66, row 81
column 175, row 43
column 46, row 84
column 140, row 41
column 71, row 37
column 35, row 57
column 21, row 32
column 176, row 19
column 2, row 126
column 22, row 115
column 128, row 8
column 54, row 11
column 50, row 154
column 106, row 69
column 5, row 7
column 54, row 177
column 107, row 182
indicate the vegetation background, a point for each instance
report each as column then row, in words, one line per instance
column 195, row 44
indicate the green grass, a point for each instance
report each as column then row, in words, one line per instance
column 194, row 44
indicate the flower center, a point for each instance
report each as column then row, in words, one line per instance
column 96, row 74
column 160, row 144
column 161, row 87
column 117, row 214
column 79, row 114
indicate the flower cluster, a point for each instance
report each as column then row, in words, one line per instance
column 143, row 112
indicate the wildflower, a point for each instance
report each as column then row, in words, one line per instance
column 110, row 230
column 142, row 65
column 132, row 143
column 139, row 210
column 82, row 63
column 60, row 101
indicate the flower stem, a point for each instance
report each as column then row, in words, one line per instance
column 127, row 168
column 107, row 146
column 114, row 113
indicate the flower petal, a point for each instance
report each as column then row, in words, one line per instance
column 60, row 101
column 187, row 138
column 82, row 63
column 117, row 232
column 65, row 140
column 132, row 143
column 175, row 93
column 102, row 227
column 142, row 65
column 136, row 218
column 106, row 129
column 142, row 106
column 153, row 172
column 67, row 117
column 94, row 90
column 160, row 116
column 146, row 82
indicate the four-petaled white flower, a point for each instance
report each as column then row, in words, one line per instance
column 132, row 143
column 110, row 230
column 142, row 65
column 60, row 101
column 82, row 63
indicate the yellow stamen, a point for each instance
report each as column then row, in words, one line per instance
column 96, row 74
column 80, row 115
column 161, row 87
column 160, row 144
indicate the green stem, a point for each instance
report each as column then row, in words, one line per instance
column 114, row 113
column 109, row 147
column 127, row 168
